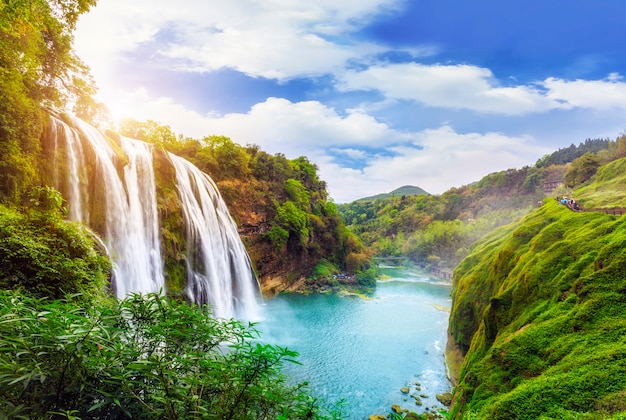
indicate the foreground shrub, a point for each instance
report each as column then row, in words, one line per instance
column 145, row 357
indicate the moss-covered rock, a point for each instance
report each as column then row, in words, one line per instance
column 445, row 398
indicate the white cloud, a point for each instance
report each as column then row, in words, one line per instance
column 349, row 153
column 278, row 125
column 448, row 86
column 609, row 93
column 273, row 39
column 444, row 159
column 475, row 88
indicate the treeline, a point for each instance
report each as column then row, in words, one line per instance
column 568, row 154
column 438, row 230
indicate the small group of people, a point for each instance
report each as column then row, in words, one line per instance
column 569, row 202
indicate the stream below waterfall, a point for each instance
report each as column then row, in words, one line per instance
column 365, row 349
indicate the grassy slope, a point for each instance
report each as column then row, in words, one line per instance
column 541, row 307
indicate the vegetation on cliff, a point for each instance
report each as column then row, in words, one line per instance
column 539, row 309
column 43, row 254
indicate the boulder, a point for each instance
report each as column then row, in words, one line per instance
column 445, row 398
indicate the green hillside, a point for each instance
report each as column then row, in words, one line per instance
column 539, row 309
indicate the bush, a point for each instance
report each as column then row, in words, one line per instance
column 145, row 357
column 324, row 269
column 42, row 253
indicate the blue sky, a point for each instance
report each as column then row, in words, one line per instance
column 377, row 93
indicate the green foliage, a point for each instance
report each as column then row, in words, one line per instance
column 324, row 269
column 609, row 188
column 403, row 191
column 297, row 192
column 38, row 69
column 572, row 152
column 293, row 219
column 368, row 277
column 232, row 159
column 581, row 169
column 42, row 253
column 145, row 357
column 438, row 230
column 149, row 131
column 277, row 236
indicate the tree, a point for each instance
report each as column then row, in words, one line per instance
column 582, row 169
column 293, row 219
column 38, row 68
column 150, row 131
column 232, row 159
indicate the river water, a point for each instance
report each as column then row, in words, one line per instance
column 363, row 350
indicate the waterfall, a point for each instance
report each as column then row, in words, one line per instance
column 218, row 268
column 217, row 261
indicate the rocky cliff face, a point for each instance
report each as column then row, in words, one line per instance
column 278, row 269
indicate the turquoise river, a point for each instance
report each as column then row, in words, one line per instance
column 364, row 350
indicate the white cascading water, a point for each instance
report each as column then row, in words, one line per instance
column 74, row 151
column 219, row 269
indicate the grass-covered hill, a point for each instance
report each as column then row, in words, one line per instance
column 539, row 311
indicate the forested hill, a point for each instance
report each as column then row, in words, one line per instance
column 436, row 231
column 405, row 191
column 539, row 311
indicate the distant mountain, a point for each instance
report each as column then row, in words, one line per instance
column 398, row 192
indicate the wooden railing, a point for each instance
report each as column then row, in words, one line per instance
column 617, row 211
